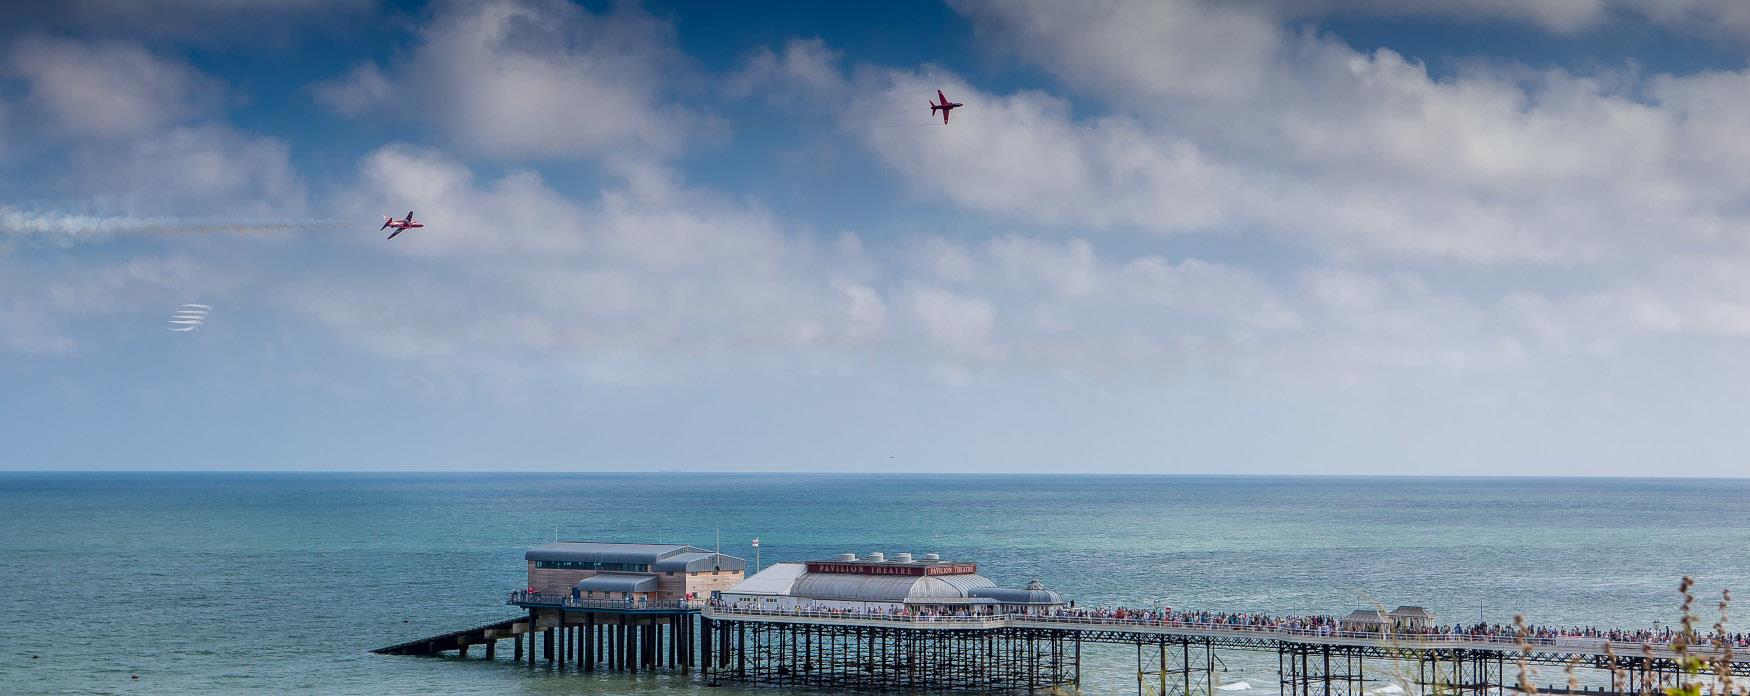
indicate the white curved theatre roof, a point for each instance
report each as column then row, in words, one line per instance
column 925, row 589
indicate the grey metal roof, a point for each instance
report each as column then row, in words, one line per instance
column 695, row 561
column 1034, row 593
column 1409, row 612
column 613, row 582
column 602, row 552
column 776, row 579
column 919, row 589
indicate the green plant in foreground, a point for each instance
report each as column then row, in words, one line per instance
column 1690, row 666
column 1694, row 654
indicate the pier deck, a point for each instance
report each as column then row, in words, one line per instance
column 1019, row 652
column 1543, row 650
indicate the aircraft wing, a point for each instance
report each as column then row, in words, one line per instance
column 397, row 231
column 944, row 117
column 409, row 217
column 941, row 98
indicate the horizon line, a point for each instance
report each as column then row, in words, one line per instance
column 681, row 472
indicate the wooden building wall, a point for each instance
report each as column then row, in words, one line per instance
column 676, row 586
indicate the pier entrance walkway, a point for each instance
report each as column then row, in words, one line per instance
column 459, row 641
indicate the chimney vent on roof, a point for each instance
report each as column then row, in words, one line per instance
column 847, row 557
column 876, row 557
column 902, row 558
column 932, row 557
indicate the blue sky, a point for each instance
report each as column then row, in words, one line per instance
column 1332, row 236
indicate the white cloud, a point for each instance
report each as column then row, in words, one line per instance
column 359, row 92
column 1305, row 140
column 1319, row 216
column 110, row 89
column 40, row 306
column 1698, row 17
column 531, row 79
column 1014, row 303
column 960, row 325
column 1231, row 295
column 1560, row 16
column 1173, row 50
column 207, row 21
column 805, row 62
column 127, row 131
column 1707, row 17
column 645, row 277
column 214, row 171
column 651, row 276
column 862, row 310
column 1022, row 156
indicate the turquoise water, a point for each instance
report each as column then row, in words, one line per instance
column 280, row 583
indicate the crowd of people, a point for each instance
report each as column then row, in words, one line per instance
column 1315, row 624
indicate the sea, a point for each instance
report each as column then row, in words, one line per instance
column 270, row 583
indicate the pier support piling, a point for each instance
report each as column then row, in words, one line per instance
column 896, row 658
column 589, row 642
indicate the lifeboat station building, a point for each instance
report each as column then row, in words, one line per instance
column 640, row 573
column 879, row 583
column 620, row 606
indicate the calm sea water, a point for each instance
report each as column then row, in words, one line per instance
column 280, row 583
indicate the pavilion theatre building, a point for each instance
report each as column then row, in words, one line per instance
column 888, row 584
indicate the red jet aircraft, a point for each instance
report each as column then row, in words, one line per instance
column 946, row 106
column 399, row 225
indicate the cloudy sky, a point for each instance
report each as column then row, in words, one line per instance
column 1249, row 236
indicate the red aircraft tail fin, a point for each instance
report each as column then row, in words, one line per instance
column 386, row 221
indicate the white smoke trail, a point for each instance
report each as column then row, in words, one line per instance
column 70, row 227
column 189, row 317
